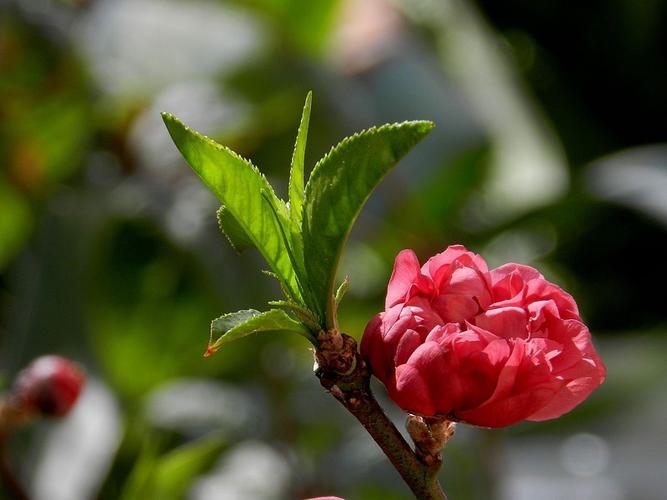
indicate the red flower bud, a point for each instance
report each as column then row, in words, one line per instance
column 49, row 386
column 490, row 348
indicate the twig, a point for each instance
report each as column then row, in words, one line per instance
column 11, row 417
column 9, row 479
column 344, row 374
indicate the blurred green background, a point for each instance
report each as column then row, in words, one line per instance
column 549, row 150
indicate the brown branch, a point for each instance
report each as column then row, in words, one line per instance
column 344, row 374
column 9, row 479
column 11, row 417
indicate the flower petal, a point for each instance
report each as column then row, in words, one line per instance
column 510, row 410
column 406, row 270
column 410, row 391
column 567, row 398
column 507, row 322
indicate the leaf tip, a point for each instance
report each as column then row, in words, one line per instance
column 172, row 123
column 423, row 126
column 428, row 124
column 211, row 349
column 166, row 116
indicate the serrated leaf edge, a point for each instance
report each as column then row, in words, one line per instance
column 304, row 124
column 237, row 248
column 214, row 346
column 329, row 312
column 369, row 131
column 169, row 116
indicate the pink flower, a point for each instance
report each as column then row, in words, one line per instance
column 489, row 348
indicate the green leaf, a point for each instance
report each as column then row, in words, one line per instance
column 306, row 316
column 342, row 290
column 139, row 481
column 232, row 230
column 306, row 24
column 338, row 188
column 294, row 245
column 15, row 221
column 241, row 188
column 296, row 183
column 177, row 469
column 234, row 326
column 296, row 193
column 168, row 477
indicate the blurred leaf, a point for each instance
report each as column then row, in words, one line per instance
column 439, row 202
column 176, row 470
column 296, row 182
column 170, row 476
column 304, row 22
column 50, row 139
column 635, row 177
column 147, row 299
column 232, row 230
column 244, row 191
column 45, row 111
column 139, row 479
column 234, row 326
column 448, row 190
column 15, row 222
column 338, row 187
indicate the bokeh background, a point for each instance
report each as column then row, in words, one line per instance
column 550, row 150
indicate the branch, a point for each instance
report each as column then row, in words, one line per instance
column 11, row 417
column 344, row 374
column 8, row 477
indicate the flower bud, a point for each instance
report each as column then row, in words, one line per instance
column 48, row 386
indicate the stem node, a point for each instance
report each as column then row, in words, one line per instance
column 344, row 374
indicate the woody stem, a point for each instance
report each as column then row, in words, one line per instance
column 9, row 418
column 8, row 478
column 351, row 388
